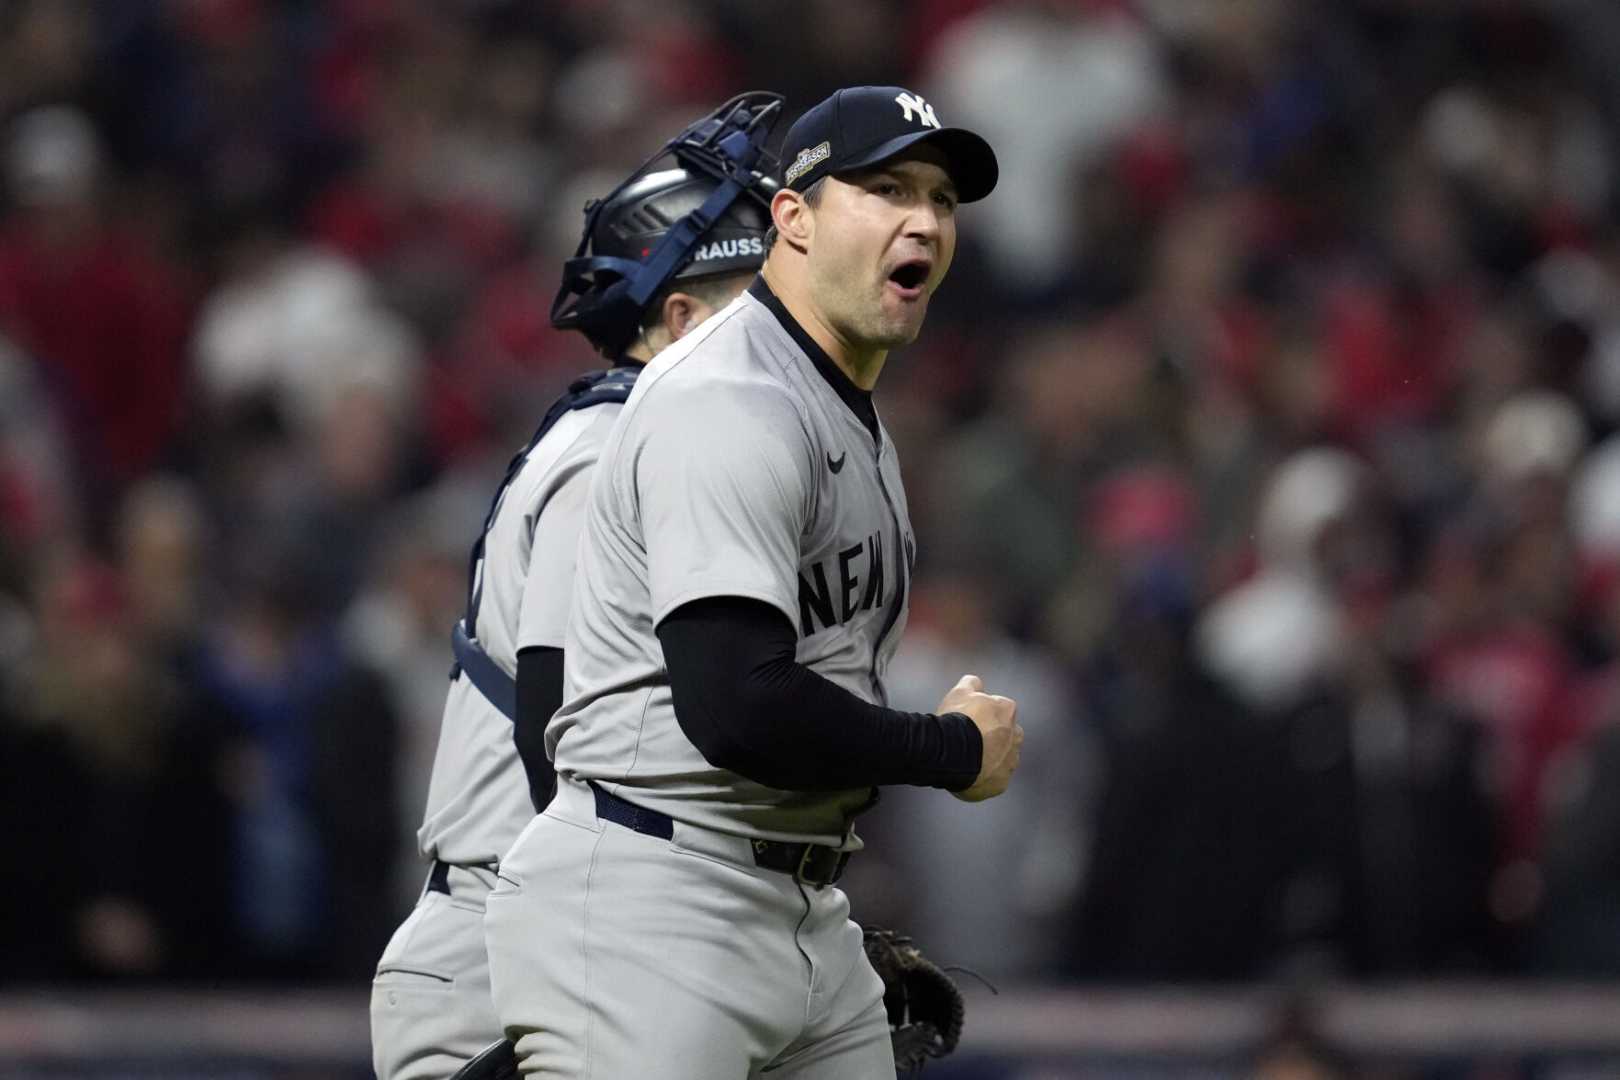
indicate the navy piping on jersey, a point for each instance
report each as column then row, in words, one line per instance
column 860, row 403
column 858, row 400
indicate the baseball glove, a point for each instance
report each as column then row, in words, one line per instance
column 497, row 1061
column 924, row 1005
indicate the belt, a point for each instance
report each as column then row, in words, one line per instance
column 470, row 878
column 816, row 865
column 439, row 877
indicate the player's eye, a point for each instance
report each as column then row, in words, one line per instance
column 945, row 201
column 886, row 188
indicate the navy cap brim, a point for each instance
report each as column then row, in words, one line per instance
column 968, row 159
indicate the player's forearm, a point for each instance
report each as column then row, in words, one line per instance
column 539, row 696
column 750, row 708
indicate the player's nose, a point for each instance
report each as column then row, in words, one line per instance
column 922, row 224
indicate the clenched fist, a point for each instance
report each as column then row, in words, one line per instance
column 996, row 717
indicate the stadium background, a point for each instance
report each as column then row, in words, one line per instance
column 1261, row 442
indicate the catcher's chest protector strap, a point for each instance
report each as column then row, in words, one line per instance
column 490, row 679
column 472, row 660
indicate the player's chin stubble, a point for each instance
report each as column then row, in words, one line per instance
column 867, row 318
column 894, row 329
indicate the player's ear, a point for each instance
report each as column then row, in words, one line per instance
column 682, row 313
column 793, row 217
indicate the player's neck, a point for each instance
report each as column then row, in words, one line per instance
column 863, row 366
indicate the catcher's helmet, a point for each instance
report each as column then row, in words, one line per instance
column 708, row 215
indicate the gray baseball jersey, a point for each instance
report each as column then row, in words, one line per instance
column 737, row 470
column 478, row 797
column 431, row 1008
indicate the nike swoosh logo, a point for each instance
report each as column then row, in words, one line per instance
column 835, row 466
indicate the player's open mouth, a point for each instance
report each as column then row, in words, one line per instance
column 909, row 277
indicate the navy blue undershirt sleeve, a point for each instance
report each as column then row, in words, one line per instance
column 748, row 706
column 539, row 696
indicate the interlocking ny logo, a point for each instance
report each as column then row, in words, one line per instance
column 914, row 104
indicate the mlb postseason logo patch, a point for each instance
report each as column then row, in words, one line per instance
column 807, row 160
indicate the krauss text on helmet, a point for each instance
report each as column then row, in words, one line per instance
column 730, row 249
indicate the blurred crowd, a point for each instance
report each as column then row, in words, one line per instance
column 1264, row 442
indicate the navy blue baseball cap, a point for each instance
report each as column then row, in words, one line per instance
column 861, row 126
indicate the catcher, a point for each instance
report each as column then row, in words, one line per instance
column 678, row 239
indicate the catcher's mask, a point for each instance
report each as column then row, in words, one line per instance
column 708, row 215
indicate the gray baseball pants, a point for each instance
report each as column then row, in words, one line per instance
column 430, row 1006
column 615, row 954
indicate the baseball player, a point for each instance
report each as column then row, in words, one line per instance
column 659, row 255
column 741, row 585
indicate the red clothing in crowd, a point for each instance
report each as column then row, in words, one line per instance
column 106, row 323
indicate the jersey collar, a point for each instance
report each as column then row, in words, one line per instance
column 858, row 400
